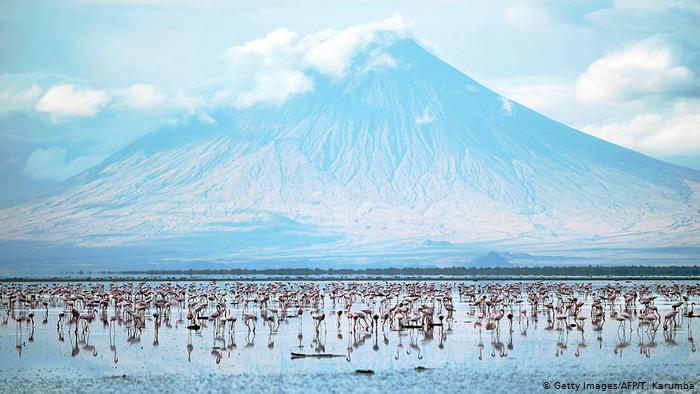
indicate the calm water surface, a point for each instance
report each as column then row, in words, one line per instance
column 113, row 355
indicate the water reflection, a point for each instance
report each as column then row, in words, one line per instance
column 408, row 320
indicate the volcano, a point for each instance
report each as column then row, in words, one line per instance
column 376, row 163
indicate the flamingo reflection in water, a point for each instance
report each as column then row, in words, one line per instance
column 392, row 309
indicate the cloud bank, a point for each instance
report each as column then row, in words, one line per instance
column 140, row 97
column 280, row 65
column 650, row 67
column 673, row 132
column 70, row 100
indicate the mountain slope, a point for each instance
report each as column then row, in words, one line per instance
column 382, row 157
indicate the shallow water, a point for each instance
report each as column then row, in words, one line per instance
column 464, row 356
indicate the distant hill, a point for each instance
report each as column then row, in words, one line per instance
column 430, row 242
column 492, row 259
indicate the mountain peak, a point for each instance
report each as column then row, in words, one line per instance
column 397, row 148
column 489, row 260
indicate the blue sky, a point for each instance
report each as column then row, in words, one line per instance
column 81, row 79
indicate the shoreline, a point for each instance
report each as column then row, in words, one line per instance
column 410, row 278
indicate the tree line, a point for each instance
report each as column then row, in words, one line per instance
column 594, row 271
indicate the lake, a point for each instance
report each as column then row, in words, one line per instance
column 489, row 339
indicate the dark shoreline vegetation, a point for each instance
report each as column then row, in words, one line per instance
column 596, row 271
column 379, row 274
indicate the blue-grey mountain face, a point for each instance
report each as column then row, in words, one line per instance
column 384, row 157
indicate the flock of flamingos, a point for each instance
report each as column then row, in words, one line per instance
column 364, row 311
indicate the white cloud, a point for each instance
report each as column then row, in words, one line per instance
column 650, row 67
column 425, row 118
column 193, row 105
column 140, row 97
column 68, row 100
column 331, row 51
column 507, row 105
column 642, row 97
column 276, row 49
column 663, row 127
column 260, row 65
column 275, row 87
column 378, row 60
column 19, row 100
column 54, row 164
column 675, row 132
